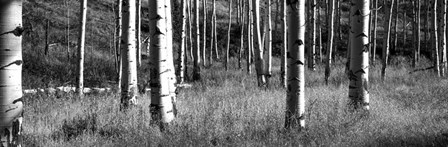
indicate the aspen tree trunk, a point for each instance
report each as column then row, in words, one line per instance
column 139, row 33
column 197, row 48
column 269, row 38
column 11, row 73
column 181, row 58
column 295, row 100
column 81, row 42
column 375, row 24
column 330, row 41
column 162, row 107
column 442, row 34
column 226, row 63
column 249, row 36
column 118, row 42
column 129, row 89
column 170, row 60
column 436, row 49
column 388, row 12
column 190, row 28
column 204, row 34
column 214, row 30
column 243, row 19
column 417, row 53
column 259, row 61
column 312, row 53
column 321, row 56
column 284, row 59
column 212, row 39
column 359, row 42
column 68, row 30
column 396, row 26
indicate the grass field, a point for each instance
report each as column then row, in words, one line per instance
column 227, row 109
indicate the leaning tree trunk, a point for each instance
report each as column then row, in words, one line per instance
column 197, row 48
column 226, row 63
column 284, row 49
column 295, row 100
column 162, row 107
column 442, row 34
column 81, row 43
column 330, row 41
column 11, row 72
column 359, row 44
column 129, row 90
column 386, row 42
column 259, row 61
column 181, row 59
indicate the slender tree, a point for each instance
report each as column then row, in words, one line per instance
column 312, row 52
column 129, row 90
column 204, row 33
column 417, row 52
column 284, row 49
column 215, row 35
column 162, row 107
column 228, row 36
column 197, row 48
column 118, row 16
column 181, row 59
column 139, row 33
column 442, row 34
column 259, row 60
column 269, row 41
column 436, row 41
column 388, row 12
column 330, row 41
column 81, row 43
column 11, row 72
column 359, row 42
column 397, row 6
column 295, row 100
column 240, row 51
column 375, row 24
column 249, row 36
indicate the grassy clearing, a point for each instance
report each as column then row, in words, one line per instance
column 227, row 109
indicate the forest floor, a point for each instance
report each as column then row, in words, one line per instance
column 228, row 109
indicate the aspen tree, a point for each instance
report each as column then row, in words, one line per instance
column 162, row 107
column 269, row 41
column 68, row 30
column 129, row 89
column 181, row 58
column 295, row 99
column 284, row 59
column 375, row 24
column 359, row 44
column 436, row 47
column 81, row 43
column 139, row 33
column 259, row 61
column 204, row 33
column 11, row 72
column 170, row 60
column 388, row 12
column 321, row 56
column 228, row 36
column 118, row 39
column 330, row 41
column 197, row 48
column 396, row 26
column 215, row 35
column 249, row 36
column 240, row 51
column 312, row 53
column 212, row 39
column 417, row 53
column 442, row 34
column 190, row 28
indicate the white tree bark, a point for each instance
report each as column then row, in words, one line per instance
column 330, row 41
column 295, row 100
column 226, row 63
column 269, row 40
column 11, row 72
column 183, row 44
column 204, row 33
column 81, row 42
column 284, row 49
column 129, row 90
column 259, row 60
column 312, row 53
column 249, row 37
column 118, row 41
column 162, row 103
column 442, row 45
column 385, row 58
column 197, row 48
column 359, row 45
column 139, row 33
column 436, row 41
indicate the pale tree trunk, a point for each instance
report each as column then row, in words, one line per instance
column 259, row 61
column 129, row 90
column 321, row 56
column 81, row 43
column 388, row 12
column 417, row 52
column 269, row 41
column 249, row 36
column 295, row 99
column 240, row 51
column 204, row 32
column 442, row 34
column 190, row 29
column 197, row 47
column 212, row 40
column 215, row 35
column 118, row 32
column 359, row 42
column 170, row 61
column 312, row 53
column 284, row 48
column 330, row 41
column 139, row 33
column 181, row 59
column 162, row 108
column 436, row 47
column 375, row 24
column 396, row 26
column 11, row 73
column 226, row 63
